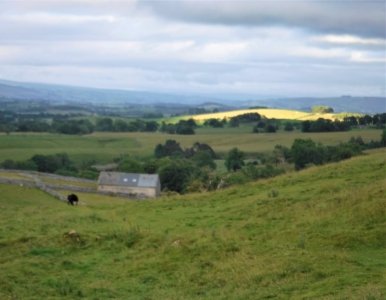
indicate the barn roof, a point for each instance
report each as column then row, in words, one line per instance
column 128, row 179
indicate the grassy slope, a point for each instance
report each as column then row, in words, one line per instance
column 323, row 236
column 270, row 113
column 104, row 146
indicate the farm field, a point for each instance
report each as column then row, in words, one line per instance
column 104, row 146
column 270, row 113
column 322, row 234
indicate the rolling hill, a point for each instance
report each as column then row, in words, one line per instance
column 64, row 94
column 319, row 233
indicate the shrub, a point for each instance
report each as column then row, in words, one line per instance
column 175, row 175
column 234, row 160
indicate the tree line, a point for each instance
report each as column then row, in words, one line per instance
column 11, row 122
column 325, row 125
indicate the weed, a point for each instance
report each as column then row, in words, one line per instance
column 133, row 236
column 44, row 251
column 302, row 241
column 273, row 193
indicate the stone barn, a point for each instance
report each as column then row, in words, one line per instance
column 130, row 184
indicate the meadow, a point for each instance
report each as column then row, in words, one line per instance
column 104, row 146
column 319, row 233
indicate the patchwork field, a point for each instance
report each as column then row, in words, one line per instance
column 321, row 234
column 104, row 146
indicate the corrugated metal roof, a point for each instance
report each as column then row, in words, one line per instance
column 128, row 179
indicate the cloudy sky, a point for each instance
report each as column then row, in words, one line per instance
column 270, row 48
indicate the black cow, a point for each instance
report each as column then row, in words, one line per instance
column 72, row 199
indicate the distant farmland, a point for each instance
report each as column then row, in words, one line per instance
column 104, row 146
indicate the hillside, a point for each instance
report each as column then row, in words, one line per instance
column 319, row 233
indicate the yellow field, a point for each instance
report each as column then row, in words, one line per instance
column 268, row 113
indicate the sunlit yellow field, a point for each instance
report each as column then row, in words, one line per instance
column 268, row 113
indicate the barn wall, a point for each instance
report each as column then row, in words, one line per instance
column 147, row 192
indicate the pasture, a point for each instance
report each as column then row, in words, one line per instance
column 104, row 146
column 322, row 234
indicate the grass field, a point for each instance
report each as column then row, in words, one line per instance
column 104, row 146
column 270, row 113
column 322, row 235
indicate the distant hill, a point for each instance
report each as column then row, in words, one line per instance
column 370, row 105
column 61, row 93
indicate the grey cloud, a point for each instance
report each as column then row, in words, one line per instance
column 363, row 18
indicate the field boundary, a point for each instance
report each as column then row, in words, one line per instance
column 35, row 181
column 49, row 175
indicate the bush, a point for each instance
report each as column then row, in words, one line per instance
column 306, row 151
column 383, row 138
column 322, row 109
column 234, row 160
column 170, row 148
column 72, row 126
column 270, row 128
column 175, row 175
column 215, row 123
column 236, row 178
column 247, row 118
column 130, row 165
column 288, row 126
column 51, row 163
column 204, row 159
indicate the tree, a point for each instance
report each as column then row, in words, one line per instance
column 151, row 126
column 204, row 159
column 322, row 109
column 270, row 128
column 72, row 126
column 170, row 148
column 288, row 126
column 184, row 128
column 120, row 125
column 281, row 154
column 175, row 175
column 199, row 147
column 247, row 118
column 216, row 123
column 130, row 165
column 234, row 122
column 383, row 138
column 306, row 125
column 104, row 124
column 305, row 151
column 52, row 163
column 234, row 160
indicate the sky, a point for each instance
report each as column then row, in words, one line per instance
column 264, row 48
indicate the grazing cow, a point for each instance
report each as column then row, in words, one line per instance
column 72, row 198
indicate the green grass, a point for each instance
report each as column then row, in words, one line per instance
column 104, row 146
column 319, row 233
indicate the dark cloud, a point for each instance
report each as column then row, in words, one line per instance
column 126, row 44
column 363, row 18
